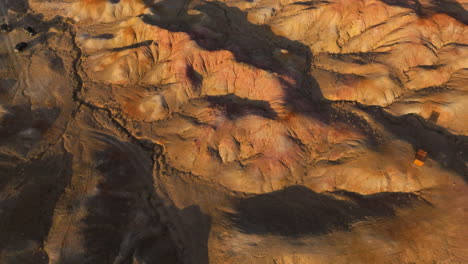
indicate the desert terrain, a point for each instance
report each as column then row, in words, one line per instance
column 233, row 131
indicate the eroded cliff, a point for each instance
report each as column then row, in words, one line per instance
column 261, row 131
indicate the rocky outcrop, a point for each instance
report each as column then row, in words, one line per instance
column 235, row 131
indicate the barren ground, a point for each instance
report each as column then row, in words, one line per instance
column 263, row 131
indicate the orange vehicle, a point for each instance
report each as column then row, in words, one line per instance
column 421, row 157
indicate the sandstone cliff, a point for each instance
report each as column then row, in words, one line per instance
column 263, row 131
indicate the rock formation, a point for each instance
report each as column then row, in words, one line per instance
column 263, row 131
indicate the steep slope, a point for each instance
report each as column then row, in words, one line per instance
column 266, row 131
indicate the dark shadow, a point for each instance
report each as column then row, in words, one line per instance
column 235, row 106
column 359, row 57
column 21, row 127
column 434, row 117
column 41, row 39
column 26, row 217
column 41, row 26
column 297, row 211
column 56, row 63
column 449, row 150
column 431, row 67
column 6, row 86
column 124, row 221
column 452, row 8
column 104, row 36
column 311, row 3
column 197, row 228
column 35, row 21
column 411, row 4
column 449, row 7
column 121, row 195
column 15, row 5
column 195, row 77
column 134, row 46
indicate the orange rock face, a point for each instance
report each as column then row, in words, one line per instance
column 202, row 119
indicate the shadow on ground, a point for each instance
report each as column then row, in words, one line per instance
column 235, row 106
column 15, row 5
column 124, row 222
column 26, row 214
column 449, row 150
column 21, row 128
column 297, row 210
column 449, row 7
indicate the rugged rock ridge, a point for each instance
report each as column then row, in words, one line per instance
column 164, row 62
column 234, row 132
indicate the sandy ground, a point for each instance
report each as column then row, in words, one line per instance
column 233, row 132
